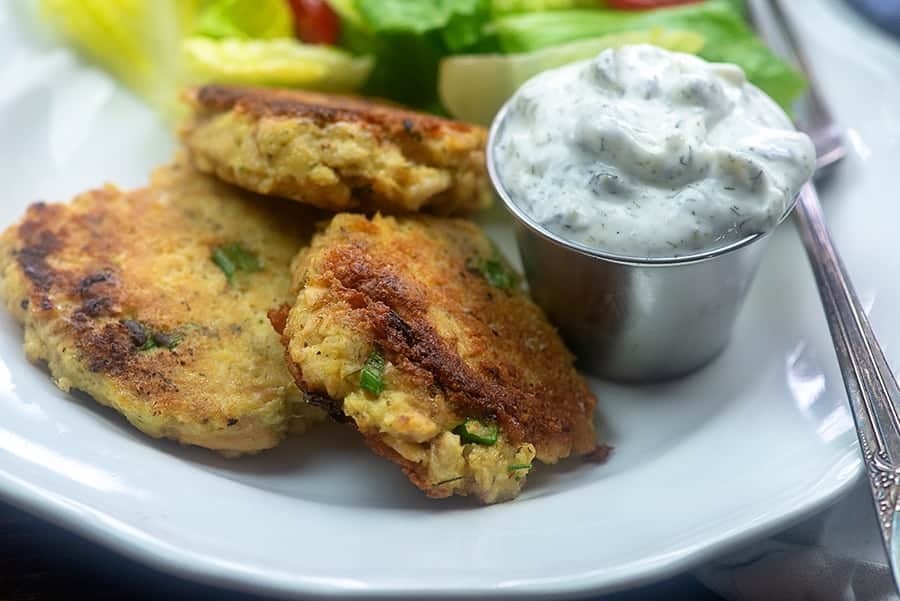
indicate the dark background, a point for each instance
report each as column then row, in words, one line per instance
column 40, row 562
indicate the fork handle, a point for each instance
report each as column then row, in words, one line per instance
column 871, row 386
column 819, row 114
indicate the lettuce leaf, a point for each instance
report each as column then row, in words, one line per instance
column 408, row 38
column 501, row 7
column 414, row 16
column 406, row 66
column 535, row 30
column 244, row 19
column 135, row 40
column 283, row 62
column 154, row 47
column 727, row 37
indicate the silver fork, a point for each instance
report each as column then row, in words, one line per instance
column 815, row 118
column 871, row 387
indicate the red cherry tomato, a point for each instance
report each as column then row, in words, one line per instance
column 644, row 4
column 315, row 22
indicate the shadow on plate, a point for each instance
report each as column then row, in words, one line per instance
column 332, row 465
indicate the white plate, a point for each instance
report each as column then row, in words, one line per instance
column 756, row 440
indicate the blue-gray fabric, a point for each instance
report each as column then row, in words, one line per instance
column 834, row 556
column 884, row 13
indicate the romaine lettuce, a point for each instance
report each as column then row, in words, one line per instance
column 414, row 16
column 244, row 19
column 728, row 38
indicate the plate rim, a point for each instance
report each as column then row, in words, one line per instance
column 63, row 508
column 107, row 531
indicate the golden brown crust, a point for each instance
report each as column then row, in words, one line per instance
column 457, row 347
column 535, row 396
column 390, row 121
column 96, row 279
column 337, row 152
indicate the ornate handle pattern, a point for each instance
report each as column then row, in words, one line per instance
column 871, row 386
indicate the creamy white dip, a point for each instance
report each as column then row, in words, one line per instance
column 649, row 153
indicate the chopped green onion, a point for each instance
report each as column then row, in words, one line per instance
column 168, row 340
column 144, row 338
column 233, row 257
column 221, row 259
column 244, row 259
column 519, row 466
column 495, row 271
column 371, row 377
column 447, row 481
column 141, row 336
column 475, row 432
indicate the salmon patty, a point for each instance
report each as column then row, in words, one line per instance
column 338, row 153
column 417, row 331
column 154, row 302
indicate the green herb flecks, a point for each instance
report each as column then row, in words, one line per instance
column 371, row 377
column 169, row 340
column 472, row 431
column 519, row 470
column 447, row 481
column 233, row 257
column 144, row 338
column 494, row 270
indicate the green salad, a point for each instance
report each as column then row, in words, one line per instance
column 458, row 57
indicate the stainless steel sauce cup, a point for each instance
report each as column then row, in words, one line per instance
column 632, row 318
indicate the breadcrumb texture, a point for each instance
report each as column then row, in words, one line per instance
column 336, row 152
column 95, row 279
column 455, row 347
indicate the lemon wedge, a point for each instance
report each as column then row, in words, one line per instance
column 474, row 87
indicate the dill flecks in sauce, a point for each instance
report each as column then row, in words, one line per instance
column 648, row 153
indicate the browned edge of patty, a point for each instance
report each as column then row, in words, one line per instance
column 110, row 349
column 396, row 315
column 409, row 468
column 278, row 318
column 391, row 120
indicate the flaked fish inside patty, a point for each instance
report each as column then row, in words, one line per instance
column 336, row 152
column 417, row 331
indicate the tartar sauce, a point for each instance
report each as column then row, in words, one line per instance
column 648, row 153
